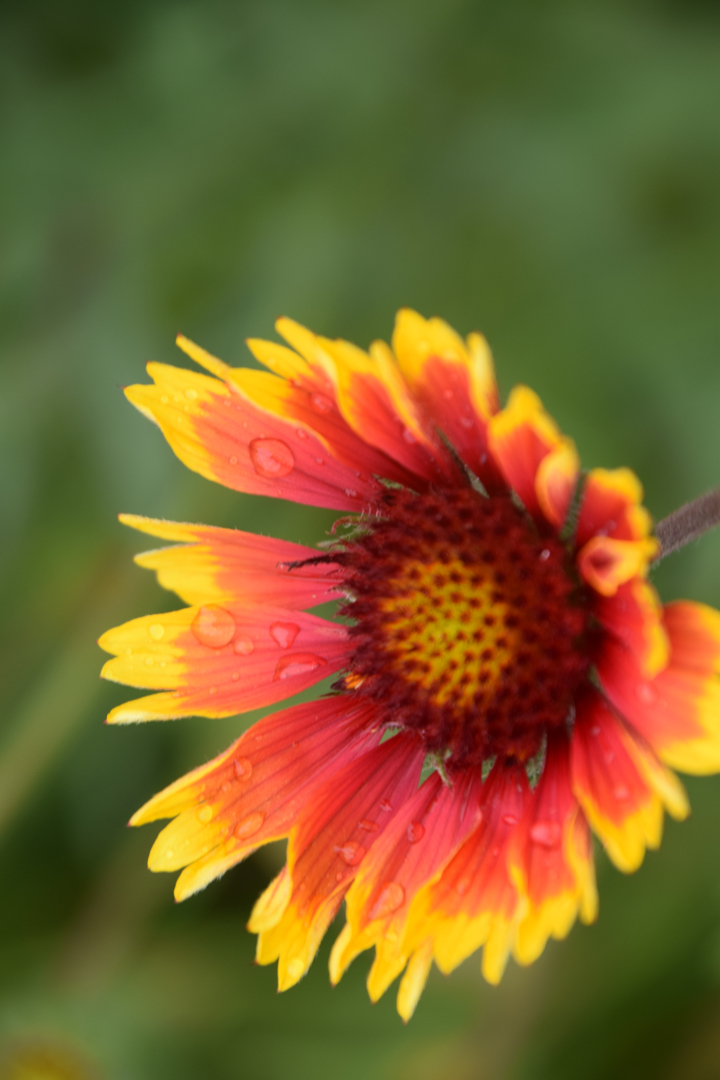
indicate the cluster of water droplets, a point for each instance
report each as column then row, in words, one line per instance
column 214, row 627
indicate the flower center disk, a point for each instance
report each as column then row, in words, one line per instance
column 468, row 625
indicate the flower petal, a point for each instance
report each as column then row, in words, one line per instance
column 454, row 382
column 677, row 712
column 422, row 837
column 220, row 660
column 216, row 566
column 555, row 869
column 555, row 482
column 374, row 400
column 313, row 411
column 329, row 843
column 634, row 615
column 253, row 792
column 611, row 506
column 606, row 563
column 620, row 784
column 413, row 981
column 219, row 432
column 520, row 437
column 475, row 902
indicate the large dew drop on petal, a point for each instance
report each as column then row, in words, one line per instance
column 213, row 626
column 271, row 458
column 297, row 664
column 284, row 633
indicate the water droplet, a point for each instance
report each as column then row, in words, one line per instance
column 415, row 832
column 321, row 403
column 271, row 458
column 301, row 434
column 244, row 645
column 226, row 786
column 156, row 631
column 169, row 853
column 235, row 676
column 467, row 422
column 320, row 461
column 243, row 768
column 351, row 493
column 295, row 969
column 233, row 460
column 545, row 554
column 408, row 436
column 368, row 825
column 213, row 689
column 351, row 852
column 385, row 806
column 621, row 793
column 392, row 896
column 340, row 875
column 149, row 661
column 509, row 819
column 213, row 626
column 595, row 730
column 191, row 393
column 249, row 825
column 284, row 633
column 164, row 399
column 447, row 394
column 205, row 814
column 297, row 664
column 546, row 833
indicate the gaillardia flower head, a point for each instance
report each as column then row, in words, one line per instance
column 507, row 680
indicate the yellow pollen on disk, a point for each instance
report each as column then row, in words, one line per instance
column 446, row 629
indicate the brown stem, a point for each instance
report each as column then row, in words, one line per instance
column 687, row 523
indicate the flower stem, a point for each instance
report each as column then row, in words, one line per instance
column 689, row 522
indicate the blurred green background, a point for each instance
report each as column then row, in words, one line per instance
column 546, row 172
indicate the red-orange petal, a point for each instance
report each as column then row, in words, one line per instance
column 620, row 784
column 606, row 563
column 422, row 837
column 677, row 712
column 520, row 437
column 475, row 902
column 554, row 866
column 253, row 792
column 312, row 411
column 217, row 566
column 612, row 506
column 374, row 400
column 218, row 431
column 220, row 660
column 634, row 616
column 371, row 788
column 455, row 383
column 555, row 482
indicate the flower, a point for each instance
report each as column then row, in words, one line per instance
column 508, row 680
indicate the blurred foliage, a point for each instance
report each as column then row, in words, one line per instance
column 548, row 173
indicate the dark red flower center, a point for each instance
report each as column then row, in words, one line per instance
column 468, row 626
